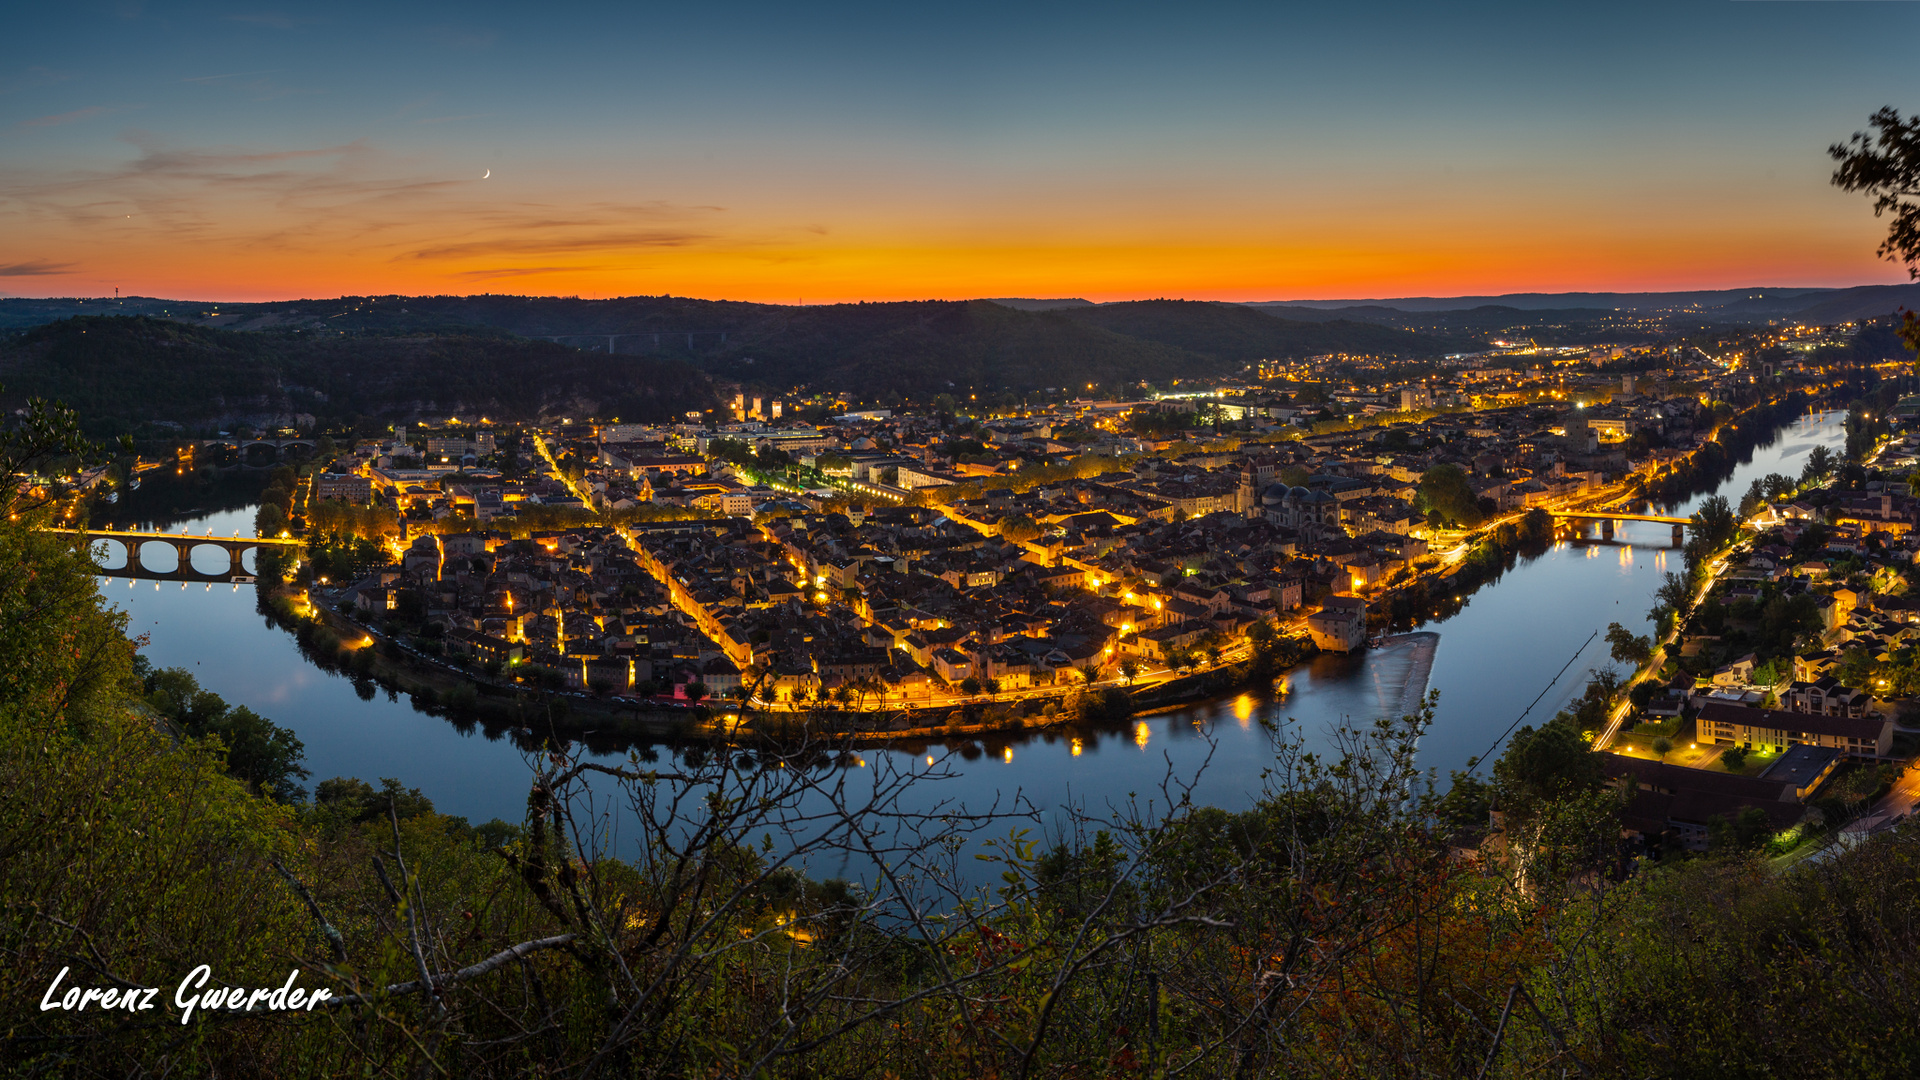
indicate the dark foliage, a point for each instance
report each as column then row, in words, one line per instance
column 123, row 372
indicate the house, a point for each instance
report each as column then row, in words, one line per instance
column 1804, row 768
column 1340, row 625
column 1825, row 696
column 1683, row 802
column 343, row 487
column 1161, row 644
column 423, row 559
column 954, row 666
column 1737, row 673
column 1735, row 725
column 484, row 647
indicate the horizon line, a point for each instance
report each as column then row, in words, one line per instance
column 1029, row 299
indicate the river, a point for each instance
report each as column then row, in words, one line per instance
column 1494, row 656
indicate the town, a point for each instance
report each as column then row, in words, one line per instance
column 917, row 567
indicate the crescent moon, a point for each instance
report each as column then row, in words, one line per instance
column 486, row 174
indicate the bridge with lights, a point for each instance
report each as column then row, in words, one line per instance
column 1606, row 518
column 183, row 545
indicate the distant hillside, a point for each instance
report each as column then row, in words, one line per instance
column 1547, row 326
column 1025, row 304
column 937, row 346
column 1238, row 334
column 121, row 372
column 1779, row 301
column 408, row 353
column 1865, row 302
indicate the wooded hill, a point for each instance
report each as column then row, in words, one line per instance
column 122, row 372
column 913, row 348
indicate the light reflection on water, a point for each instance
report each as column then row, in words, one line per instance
column 1493, row 657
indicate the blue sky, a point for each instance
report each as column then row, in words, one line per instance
column 885, row 151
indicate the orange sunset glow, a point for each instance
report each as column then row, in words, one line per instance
column 969, row 164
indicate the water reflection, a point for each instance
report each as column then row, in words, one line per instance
column 1496, row 649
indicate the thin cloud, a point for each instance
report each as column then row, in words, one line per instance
column 57, row 119
column 524, row 271
column 562, row 245
column 405, row 209
column 37, row 268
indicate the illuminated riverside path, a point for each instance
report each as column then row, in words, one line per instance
column 1492, row 657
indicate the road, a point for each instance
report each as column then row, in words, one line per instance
column 540, row 444
column 1715, row 569
column 1905, row 795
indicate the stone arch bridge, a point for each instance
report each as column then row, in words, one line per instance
column 278, row 447
column 183, row 545
column 1606, row 518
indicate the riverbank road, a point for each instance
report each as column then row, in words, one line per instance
column 1900, row 801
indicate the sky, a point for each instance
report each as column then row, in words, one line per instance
column 790, row 153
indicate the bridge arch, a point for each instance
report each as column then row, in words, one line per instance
column 153, row 557
column 101, row 548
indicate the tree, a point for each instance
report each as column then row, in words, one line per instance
column 1744, row 832
column 1713, row 524
column 1628, row 647
column 270, row 519
column 1733, row 759
column 44, row 435
column 970, row 686
column 1818, row 467
column 1444, row 490
column 1129, row 669
column 63, row 655
column 696, row 691
column 1663, row 746
column 1019, row 528
column 258, row 751
column 1886, row 166
column 1544, row 764
column 350, row 800
column 1089, row 674
column 1675, row 593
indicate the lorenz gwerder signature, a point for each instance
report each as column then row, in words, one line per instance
column 190, row 995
